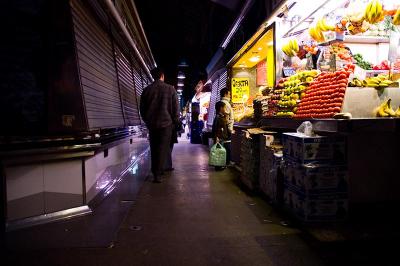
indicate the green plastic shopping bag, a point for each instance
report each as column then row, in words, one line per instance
column 217, row 155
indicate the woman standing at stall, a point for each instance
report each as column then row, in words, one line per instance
column 220, row 130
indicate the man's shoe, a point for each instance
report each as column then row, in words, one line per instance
column 169, row 169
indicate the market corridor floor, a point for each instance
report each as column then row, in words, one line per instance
column 201, row 217
column 197, row 216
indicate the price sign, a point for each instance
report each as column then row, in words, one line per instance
column 288, row 71
column 240, row 90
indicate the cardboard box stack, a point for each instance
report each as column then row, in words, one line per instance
column 270, row 168
column 315, row 177
column 250, row 159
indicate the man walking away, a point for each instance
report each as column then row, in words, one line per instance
column 159, row 110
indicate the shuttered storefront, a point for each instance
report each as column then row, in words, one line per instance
column 222, row 80
column 127, row 89
column 138, row 82
column 97, row 70
column 217, row 85
column 214, row 99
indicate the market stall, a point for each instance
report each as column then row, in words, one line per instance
column 337, row 65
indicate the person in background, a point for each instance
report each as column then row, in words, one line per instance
column 226, row 99
column 160, row 112
column 220, row 130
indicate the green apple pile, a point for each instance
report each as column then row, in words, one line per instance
column 293, row 90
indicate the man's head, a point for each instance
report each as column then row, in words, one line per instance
column 220, row 107
column 225, row 93
column 157, row 73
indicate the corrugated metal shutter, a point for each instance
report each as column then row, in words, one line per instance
column 138, row 82
column 217, row 85
column 97, row 70
column 214, row 99
column 127, row 89
column 222, row 80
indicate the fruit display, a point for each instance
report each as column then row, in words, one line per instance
column 323, row 42
column 396, row 17
column 324, row 96
column 378, row 82
column 316, row 34
column 361, row 62
column 323, row 26
column 275, row 97
column 312, row 49
column 356, row 83
column 293, row 91
column 356, row 22
column 341, row 26
column 396, row 65
column 291, row 48
column 341, row 51
column 374, row 12
column 384, row 65
column 386, row 110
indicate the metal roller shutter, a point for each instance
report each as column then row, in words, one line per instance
column 214, row 99
column 138, row 82
column 97, row 70
column 127, row 89
column 222, row 81
column 217, row 85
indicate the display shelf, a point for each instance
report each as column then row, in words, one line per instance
column 344, row 126
column 361, row 101
column 365, row 39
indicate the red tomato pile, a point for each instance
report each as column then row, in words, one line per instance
column 324, row 96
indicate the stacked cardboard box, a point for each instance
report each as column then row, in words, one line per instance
column 315, row 177
column 318, row 149
column 250, row 156
column 250, row 159
column 270, row 166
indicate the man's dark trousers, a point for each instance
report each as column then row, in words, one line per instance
column 160, row 141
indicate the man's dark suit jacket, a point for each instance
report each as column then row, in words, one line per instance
column 159, row 105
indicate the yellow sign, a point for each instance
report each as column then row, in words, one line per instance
column 240, row 90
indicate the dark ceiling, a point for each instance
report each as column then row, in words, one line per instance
column 189, row 30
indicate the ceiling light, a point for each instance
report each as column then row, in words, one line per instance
column 259, row 48
column 254, row 58
column 181, row 75
column 180, row 84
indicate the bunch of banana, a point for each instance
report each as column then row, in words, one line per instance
column 374, row 12
column 323, row 26
column 396, row 18
column 380, row 81
column 291, row 48
column 356, row 83
column 385, row 110
column 316, row 34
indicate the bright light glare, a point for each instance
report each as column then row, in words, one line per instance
column 254, row 58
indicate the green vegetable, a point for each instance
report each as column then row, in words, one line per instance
column 361, row 62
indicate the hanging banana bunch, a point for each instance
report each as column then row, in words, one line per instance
column 291, row 48
column 374, row 12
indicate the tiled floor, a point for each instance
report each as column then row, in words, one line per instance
column 201, row 217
